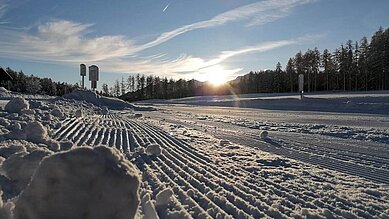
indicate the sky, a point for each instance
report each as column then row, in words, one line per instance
column 213, row 40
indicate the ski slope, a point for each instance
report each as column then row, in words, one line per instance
column 214, row 164
column 283, row 176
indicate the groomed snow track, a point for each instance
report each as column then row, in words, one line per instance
column 201, row 187
column 369, row 160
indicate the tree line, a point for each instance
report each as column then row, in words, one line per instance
column 30, row 84
column 359, row 65
column 353, row 66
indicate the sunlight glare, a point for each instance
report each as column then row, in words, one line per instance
column 216, row 75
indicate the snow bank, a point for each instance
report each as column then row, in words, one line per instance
column 16, row 105
column 153, row 149
column 92, row 97
column 103, row 185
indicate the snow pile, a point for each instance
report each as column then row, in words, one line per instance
column 263, row 134
column 66, row 145
column 5, row 208
column 35, row 132
column 4, row 90
column 18, row 161
column 224, row 142
column 103, row 185
column 104, row 110
column 57, row 112
column 92, row 97
column 148, row 207
column 20, row 166
column 16, row 105
column 163, row 198
column 78, row 113
column 153, row 150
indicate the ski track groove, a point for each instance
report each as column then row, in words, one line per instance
column 202, row 188
column 380, row 175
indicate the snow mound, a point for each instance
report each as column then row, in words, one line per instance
column 163, row 197
column 21, row 166
column 78, row 113
column 57, row 112
column 66, row 145
column 16, row 105
column 5, row 209
column 224, row 142
column 4, row 90
column 92, row 97
column 141, row 150
column 153, row 149
column 7, row 151
column 263, row 134
column 35, row 132
column 103, row 185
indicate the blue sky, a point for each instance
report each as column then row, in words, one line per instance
column 202, row 39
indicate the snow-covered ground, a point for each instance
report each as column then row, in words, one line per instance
column 204, row 161
column 375, row 102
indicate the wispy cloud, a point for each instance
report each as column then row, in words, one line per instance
column 3, row 7
column 66, row 41
column 192, row 67
column 258, row 13
column 71, row 42
column 165, row 8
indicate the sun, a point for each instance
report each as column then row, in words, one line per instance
column 216, row 75
column 217, row 79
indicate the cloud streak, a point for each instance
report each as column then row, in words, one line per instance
column 3, row 7
column 258, row 13
column 70, row 42
column 165, row 8
column 65, row 41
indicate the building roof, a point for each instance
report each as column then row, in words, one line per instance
column 4, row 76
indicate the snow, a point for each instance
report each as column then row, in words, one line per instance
column 153, row 150
column 103, row 185
column 66, row 145
column 92, row 97
column 5, row 208
column 163, row 197
column 78, row 113
column 35, row 132
column 20, row 166
column 197, row 160
column 57, row 112
column 16, row 105
column 376, row 102
column 263, row 134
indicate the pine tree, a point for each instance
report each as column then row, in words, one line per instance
column 105, row 89
column 362, row 63
column 116, row 88
column 122, row 87
column 291, row 72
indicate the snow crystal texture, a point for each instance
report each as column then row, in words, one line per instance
column 81, row 183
